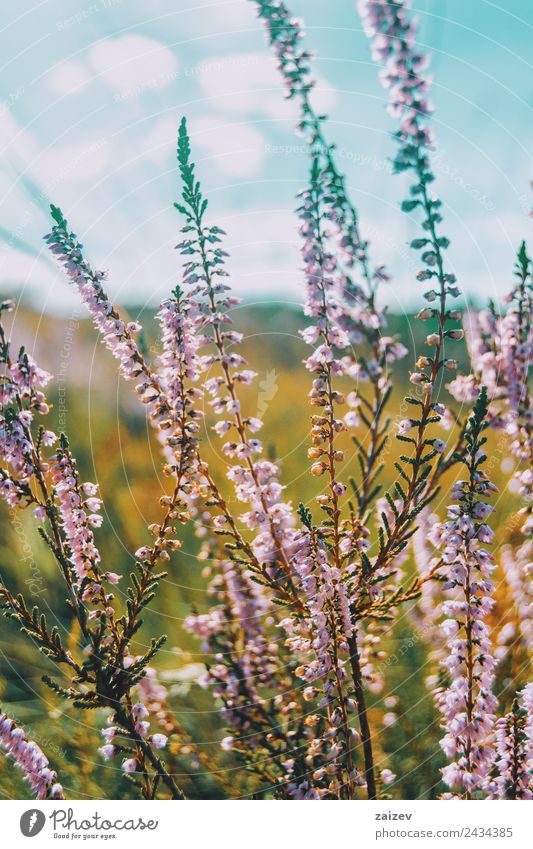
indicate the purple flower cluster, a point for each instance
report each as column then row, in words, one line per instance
column 118, row 335
column 392, row 31
column 180, row 368
column 255, row 481
column 360, row 316
column 141, row 726
column 21, row 397
column 29, row 758
column 79, row 508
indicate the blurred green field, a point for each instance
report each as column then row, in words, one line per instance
column 114, row 446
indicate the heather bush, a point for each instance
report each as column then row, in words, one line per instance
column 302, row 594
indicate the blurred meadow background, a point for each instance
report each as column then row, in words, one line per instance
column 93, row 94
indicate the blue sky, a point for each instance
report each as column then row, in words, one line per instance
column 93, row 93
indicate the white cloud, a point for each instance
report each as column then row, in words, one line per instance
column 222, row 17
column 264, row 252
column 131, row 64
column 250, row 82
column 159, row 142
column 68, row 77
column 14, row 139
column 54, row 164
column 80, row 162
column 236, row 149
column 25, row 271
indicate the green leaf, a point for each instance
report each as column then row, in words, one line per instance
column 57, row 215
column 409, row 205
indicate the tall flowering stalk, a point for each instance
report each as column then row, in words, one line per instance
column 285, row 35
column 320, row 269
column 313, row 570
column 358, row 314
column 468, row 704
column 354, row 308
column 246, row 664
column 352, row 295
column 255, row 482
column 329, row 587
column 387, row 24
column 119, row 336
column 286, row 555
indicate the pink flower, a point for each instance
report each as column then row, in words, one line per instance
column 404, row 426
column 109, row 733
column 464, row 388
column 139, row 711
column 112, row 577
column 351, row 419
column 159, row 741
column 49, row 438
column 387, row 776
column 107, row 751
column 84, row 554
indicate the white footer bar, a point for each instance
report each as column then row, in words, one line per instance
column 268, row 825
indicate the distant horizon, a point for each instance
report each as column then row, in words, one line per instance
column 56, row 309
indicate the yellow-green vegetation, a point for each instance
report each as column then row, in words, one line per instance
column 117, row 450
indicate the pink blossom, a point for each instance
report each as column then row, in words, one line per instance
column 107, row 751
column 74, row 514
column 29, row 758
column 159, row 741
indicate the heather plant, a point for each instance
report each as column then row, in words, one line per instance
column 302, row 596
